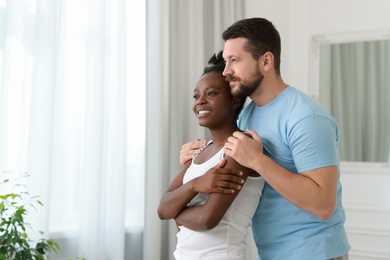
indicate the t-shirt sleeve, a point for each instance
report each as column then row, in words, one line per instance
column 314, row 143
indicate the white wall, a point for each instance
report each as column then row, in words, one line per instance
column 366, row 199
column 366, row 196
column 299, row 20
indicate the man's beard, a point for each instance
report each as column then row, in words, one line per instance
column 247, row 89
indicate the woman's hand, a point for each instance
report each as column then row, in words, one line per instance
column 219, row 179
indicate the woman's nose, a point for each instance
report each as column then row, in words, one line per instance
column 201, row 100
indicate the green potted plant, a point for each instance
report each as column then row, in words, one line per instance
column 15, row 243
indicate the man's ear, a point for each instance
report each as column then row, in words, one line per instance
column 267, row 61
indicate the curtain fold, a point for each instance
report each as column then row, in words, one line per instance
column 104, row 151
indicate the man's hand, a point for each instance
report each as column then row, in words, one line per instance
column 191, row 148
column 219, row 179
column 245, row 148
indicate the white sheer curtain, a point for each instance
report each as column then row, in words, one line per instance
column 68, row 74
column 181, row 38
column 65, row 72
column 355, row 86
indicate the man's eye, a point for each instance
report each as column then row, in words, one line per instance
column 211, row 93
column 196, row 97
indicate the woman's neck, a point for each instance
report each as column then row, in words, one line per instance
column 220, row 136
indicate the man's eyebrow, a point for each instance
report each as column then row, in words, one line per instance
column 229, row 56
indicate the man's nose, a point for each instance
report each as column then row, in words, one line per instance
column 227, row 70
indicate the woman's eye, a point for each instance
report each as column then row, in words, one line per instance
column 196, row 97
column 211, row 93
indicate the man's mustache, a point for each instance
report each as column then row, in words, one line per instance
column 229, row 78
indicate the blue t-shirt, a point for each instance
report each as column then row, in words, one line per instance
column 299, row 135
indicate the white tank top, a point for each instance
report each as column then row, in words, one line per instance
column 228, row 239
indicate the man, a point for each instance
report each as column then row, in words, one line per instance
column 293, row 146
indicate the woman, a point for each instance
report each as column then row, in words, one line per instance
column 212, row 225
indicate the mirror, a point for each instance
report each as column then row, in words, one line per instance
column 354, row 85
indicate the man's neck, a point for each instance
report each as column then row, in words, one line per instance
column 268, row 91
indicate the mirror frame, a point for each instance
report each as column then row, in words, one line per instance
column 314, row 68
